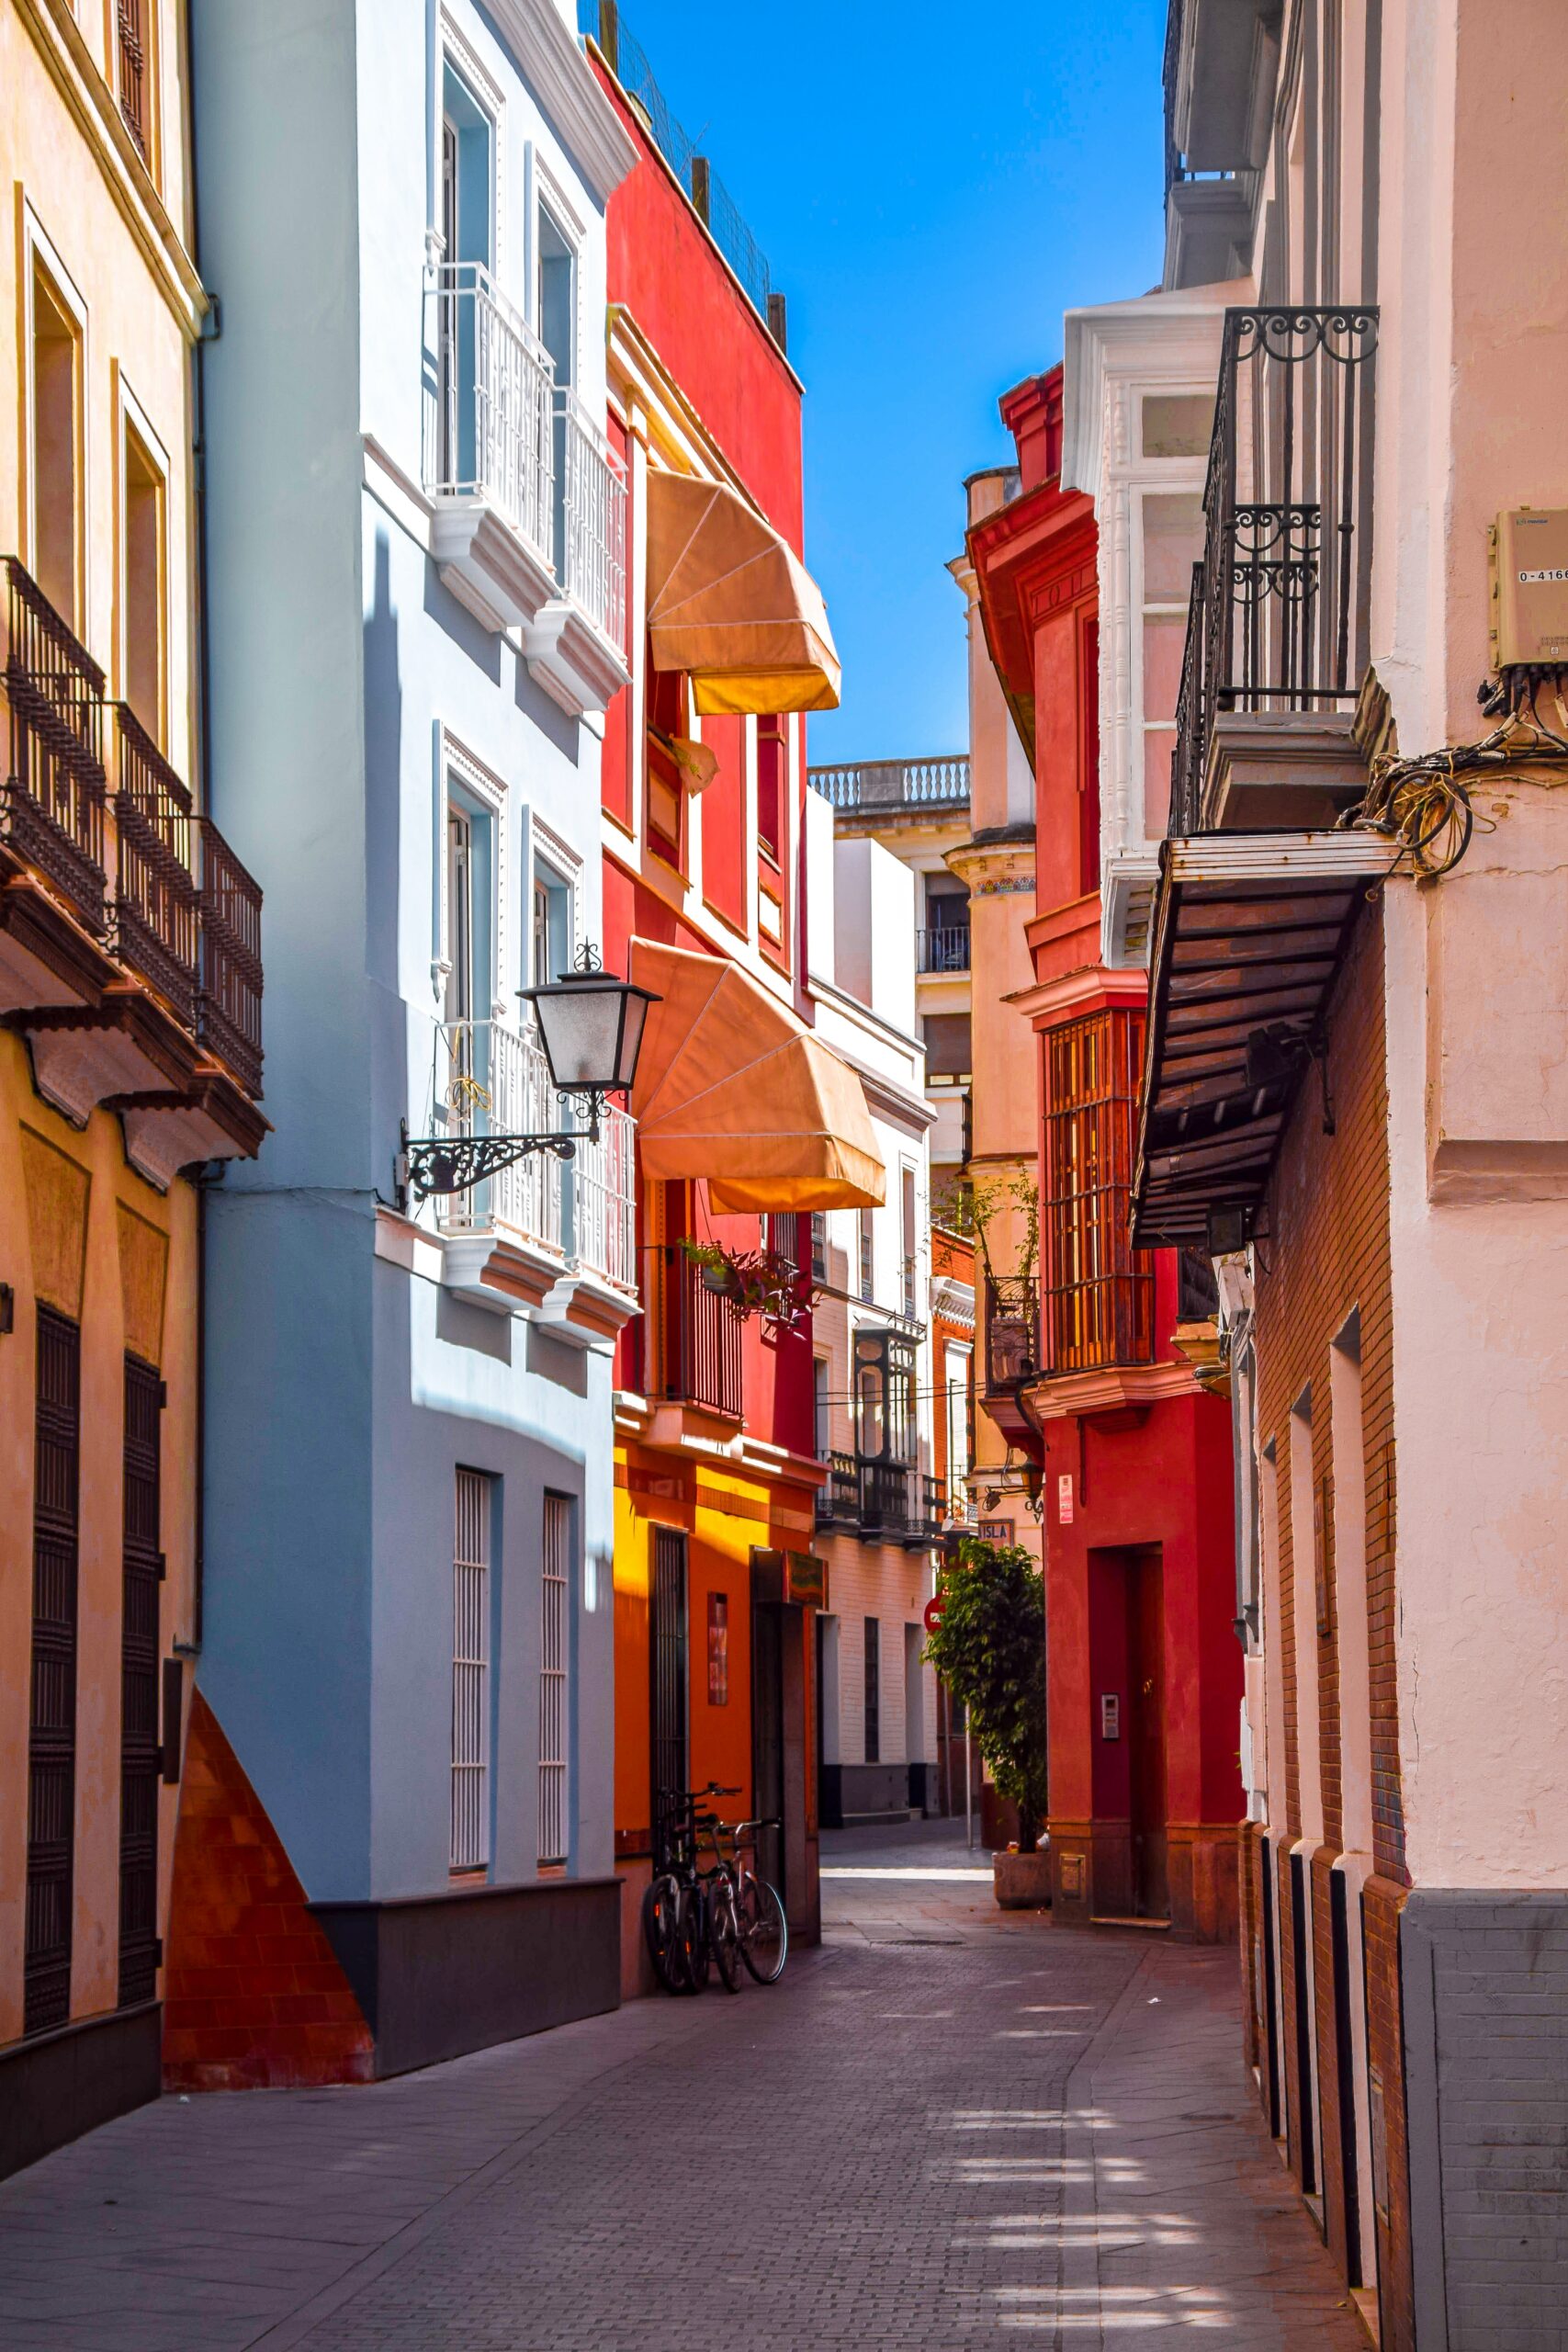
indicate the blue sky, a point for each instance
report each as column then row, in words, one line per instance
column 932, row 187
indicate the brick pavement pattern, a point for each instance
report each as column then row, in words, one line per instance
column 948, row 2128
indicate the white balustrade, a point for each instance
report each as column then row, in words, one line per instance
column 494, row 1081
column 490, row 433
column 593, row 564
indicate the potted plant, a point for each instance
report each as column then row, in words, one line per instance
column 988, row 1646
column 750, row 1281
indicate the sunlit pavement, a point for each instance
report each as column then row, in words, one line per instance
column 949, row 2127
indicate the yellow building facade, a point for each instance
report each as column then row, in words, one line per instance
column 129, row 1056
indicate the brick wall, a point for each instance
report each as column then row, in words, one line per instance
column 1325, row 1256
column 254, row 1998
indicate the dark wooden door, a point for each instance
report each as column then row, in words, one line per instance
column 1346, row 1990
column 668, row 1653
column 767, row 1737
column 1146, row 1733
column 138, row 1758
column 52, row 1741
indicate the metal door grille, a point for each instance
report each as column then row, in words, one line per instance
column 470, row 1673
column 139, row 1758
column 667, row 1652
column 555, row 1699
column 52, row 1745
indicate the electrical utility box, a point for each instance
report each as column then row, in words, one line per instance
column 1530, row 589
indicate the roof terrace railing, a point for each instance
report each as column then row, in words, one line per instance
column 895, row 783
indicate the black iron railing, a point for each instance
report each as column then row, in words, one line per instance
column 156, row 930
column 1012, row 1330
column 943, row 949
column 701, row 1340
column 838, row 1503
column 53, row 799
column 895, row 783
column 883, row 1498
column 1279, row 615
column 228, row 1010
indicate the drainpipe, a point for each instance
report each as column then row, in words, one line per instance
column 209, row 1175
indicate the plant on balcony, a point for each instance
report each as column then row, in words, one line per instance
column 988, row 1646
column 752, row 1281
column 973, row 1212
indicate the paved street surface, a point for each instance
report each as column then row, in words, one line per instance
column 947, row 2128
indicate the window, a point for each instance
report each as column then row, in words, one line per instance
column 873, row 1692
column 781, row 1234
column 550, row 946
column 468, row 200
column 460, row 975
column 772, row 777
column 867, row 1290
column 949, row 1054
column 908, row 1237
column 820, row 1375
column 555, row 1652
column 555, row 318
column 470, row 1672
column 955, row 1378
column 1098, row 1291
column 718, row 1649
column 818, row 1246
column 143, row 589
column 56, row 447
column 885, row 1395
column 667, row 724
column 133, row 77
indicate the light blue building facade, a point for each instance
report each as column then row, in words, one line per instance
column 416, row 592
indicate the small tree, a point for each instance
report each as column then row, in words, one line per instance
column 989, row 1648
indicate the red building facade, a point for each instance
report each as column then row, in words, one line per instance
column 1145, row 1673
column 716, row 1588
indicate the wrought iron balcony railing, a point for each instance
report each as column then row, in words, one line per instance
column 55, row 791
column 490, row 430
column 895, row 783
column 1278, row 621
column 1012, row 1331
column 157, row 929
column 592, row 553
column 186, row 914
column 701, row 1340
column 943, row 949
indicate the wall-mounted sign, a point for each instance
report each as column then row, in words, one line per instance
column 806, row 1579
column 1065, row 1498
column 931, row 1615
column 1110, row 1715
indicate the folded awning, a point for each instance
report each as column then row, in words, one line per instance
column 731, row 1087
column 1251, row 931
column 731, row 604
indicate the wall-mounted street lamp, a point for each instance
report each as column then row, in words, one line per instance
column 590, row 1027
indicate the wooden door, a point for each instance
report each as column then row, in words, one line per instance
column 1146, row 1733
column 668, row 1670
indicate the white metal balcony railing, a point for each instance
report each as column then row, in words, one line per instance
column 490, row 435
column 593, row 553
column 491, row 1079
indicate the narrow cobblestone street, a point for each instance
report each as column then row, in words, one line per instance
column 948, row 2126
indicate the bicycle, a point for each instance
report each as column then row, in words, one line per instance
column 725, row 1914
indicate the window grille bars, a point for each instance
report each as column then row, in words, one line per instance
column 470, row 1672
column 555, row 1697
column 1098, row 1291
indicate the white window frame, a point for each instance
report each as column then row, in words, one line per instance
column 557, row 1551
column 453, row 759
column 472, row 1597
column 454, row 48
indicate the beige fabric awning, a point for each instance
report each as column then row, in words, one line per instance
column 731, row 1087
column 731, row 604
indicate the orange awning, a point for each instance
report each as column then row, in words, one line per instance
column 731, row 1087
column 730, row 603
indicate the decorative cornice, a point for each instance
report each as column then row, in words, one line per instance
column 568, row 90
column 1107, row 1392
column 1165, row 337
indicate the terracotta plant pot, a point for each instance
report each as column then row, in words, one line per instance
column 1022, row 1882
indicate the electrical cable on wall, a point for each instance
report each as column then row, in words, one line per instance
column 1425, row 801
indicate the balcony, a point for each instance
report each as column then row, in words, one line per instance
column 943, row 949
column 555, row 1237
column 1277, row 635
column 882, row 1501
column 130, row 933
column 894, row 787
column 489, row 440
column 576, row 645
column 702, row 1341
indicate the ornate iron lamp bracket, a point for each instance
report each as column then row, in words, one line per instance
column 456, row 1163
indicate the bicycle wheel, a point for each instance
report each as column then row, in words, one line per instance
column 693, row 1938
column 661, row 1931
column 764, row 1932
column 724, row 1935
